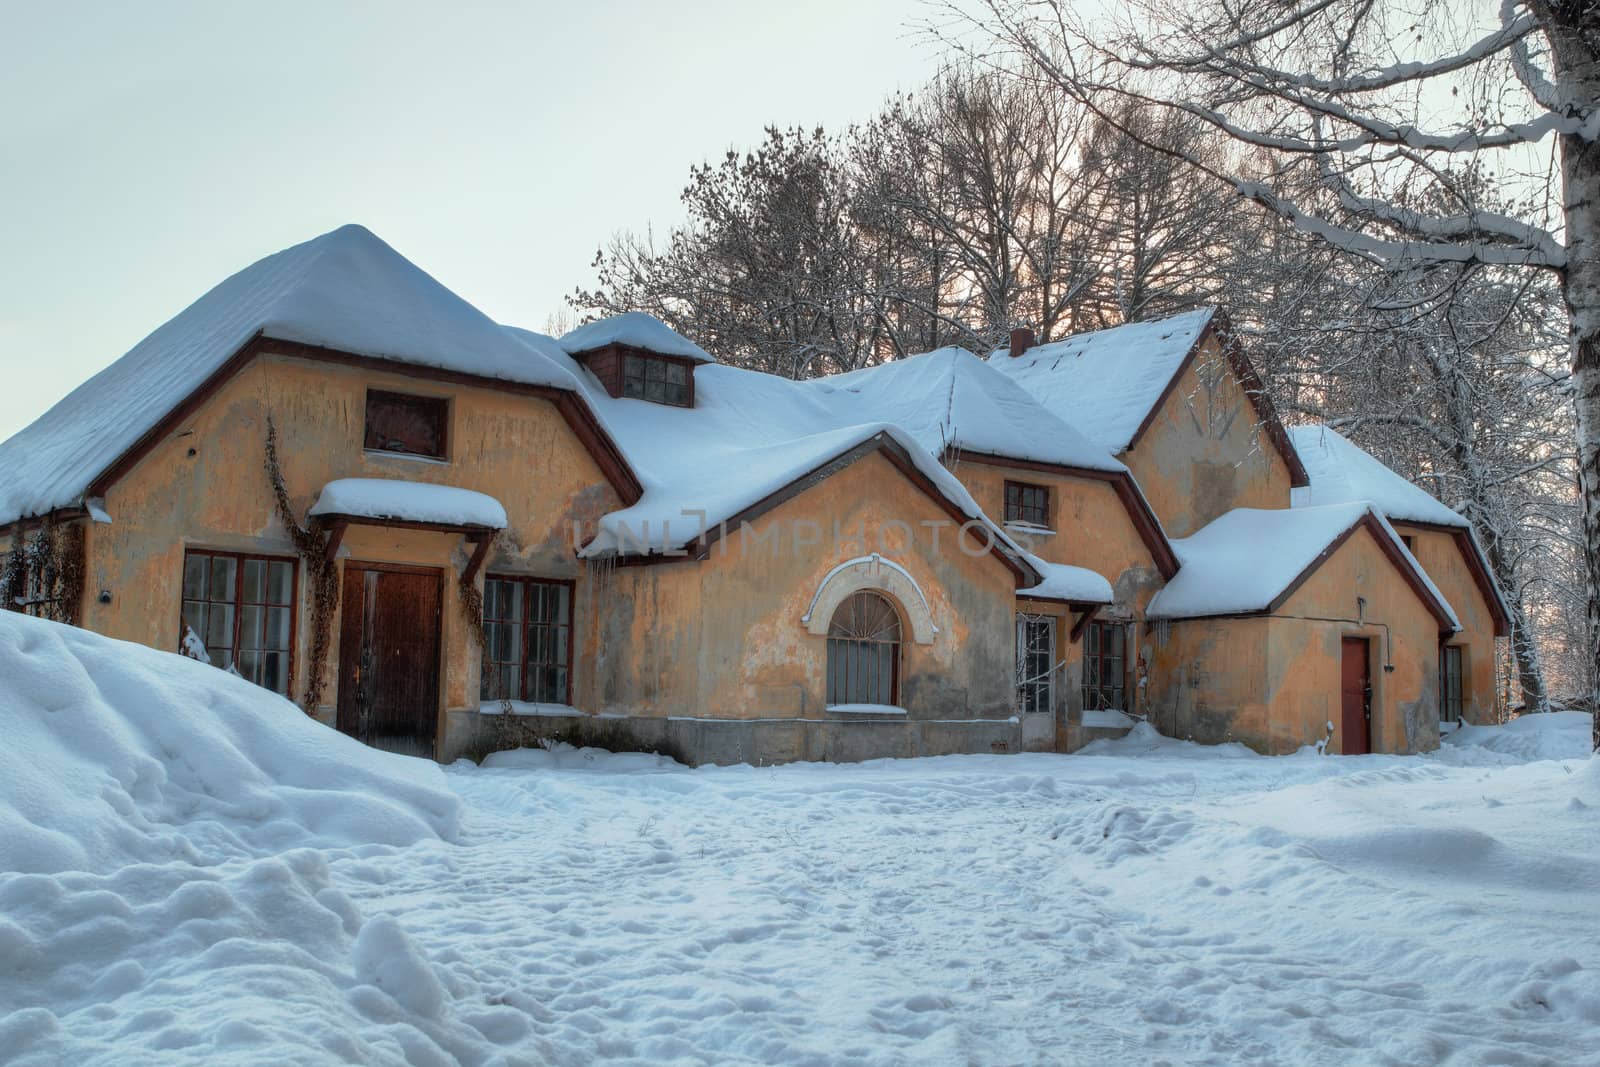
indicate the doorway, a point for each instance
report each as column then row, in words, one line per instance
column 1355, row 692
column 389, row 657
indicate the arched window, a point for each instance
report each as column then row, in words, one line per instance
column 864, row 651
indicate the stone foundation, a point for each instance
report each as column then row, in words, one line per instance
column 472, row 735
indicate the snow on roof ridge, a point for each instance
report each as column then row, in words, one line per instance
column 1241, row 561
column 950, row 398
column 1342, row 471
column 1201, row 314
column 636, row 329
column 345, row 289
column 1105, row 382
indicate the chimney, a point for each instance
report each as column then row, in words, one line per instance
column 1021, row 340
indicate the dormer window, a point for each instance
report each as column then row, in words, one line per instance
column 654, row 378
column 638, row 356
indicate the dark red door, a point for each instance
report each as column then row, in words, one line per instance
column 389, row 657
column 1355, row 693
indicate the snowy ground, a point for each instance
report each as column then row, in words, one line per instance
column 1146, row 902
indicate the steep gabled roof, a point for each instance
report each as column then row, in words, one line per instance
column 1343, row 472
column 1107, row 382
column 953, row 402
column 1249, row 561
column 345, row 290
column 1111, row 383
column 633, row 329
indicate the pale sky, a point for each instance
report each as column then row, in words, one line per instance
column 148, row 150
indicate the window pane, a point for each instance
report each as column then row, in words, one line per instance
column 222, row 578
column 250, row 666
column 280, row 583
column 220, row 626
column 255, row 573
column 676, row 374
column 249, row 627
column 277, row 635
column 194, row 577
column 274, row 674
column 194, row 616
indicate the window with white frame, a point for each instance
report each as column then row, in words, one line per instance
column 1036, row 661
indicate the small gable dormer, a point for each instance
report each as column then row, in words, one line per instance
column 639, row 357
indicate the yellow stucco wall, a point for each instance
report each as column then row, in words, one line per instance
column 723, row 638
column 1441, row 558
column 1273, row 682
column 205, row 486
column 1092, row 527
column 1093, row 530
column 1205, row 453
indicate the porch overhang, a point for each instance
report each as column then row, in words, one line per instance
column 403, row 505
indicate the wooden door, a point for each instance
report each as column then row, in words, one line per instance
column 389, row 657
column 1355, row 691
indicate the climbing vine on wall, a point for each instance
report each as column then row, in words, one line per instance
column 322, row 573
column 43, row 574
column 13, row 573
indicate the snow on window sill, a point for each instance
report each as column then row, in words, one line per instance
column 1030, row 529
column 410, row 457
column 866, row 709
column 526, row 707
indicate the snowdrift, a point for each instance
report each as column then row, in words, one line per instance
column 117, row 754
column 1560, row 735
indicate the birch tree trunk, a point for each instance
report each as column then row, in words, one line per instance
column 1581, row 168
column 1575, row 49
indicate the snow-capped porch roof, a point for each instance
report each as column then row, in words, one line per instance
column 393, row 499
column 345, row 290
column 1248, row 561
column 1068, row 584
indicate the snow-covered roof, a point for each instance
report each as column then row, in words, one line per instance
column 1105, row 383
column 1077, row 585
column 1341, row 472
column 748, row 436
column 636, row 330
column 952, row 399
column 394, row 498
column 346, row 290
column 1243, row 561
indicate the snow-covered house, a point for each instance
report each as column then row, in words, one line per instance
column 440, row 534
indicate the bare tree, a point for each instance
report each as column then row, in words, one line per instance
column 767, row 267
column 1378, row 98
